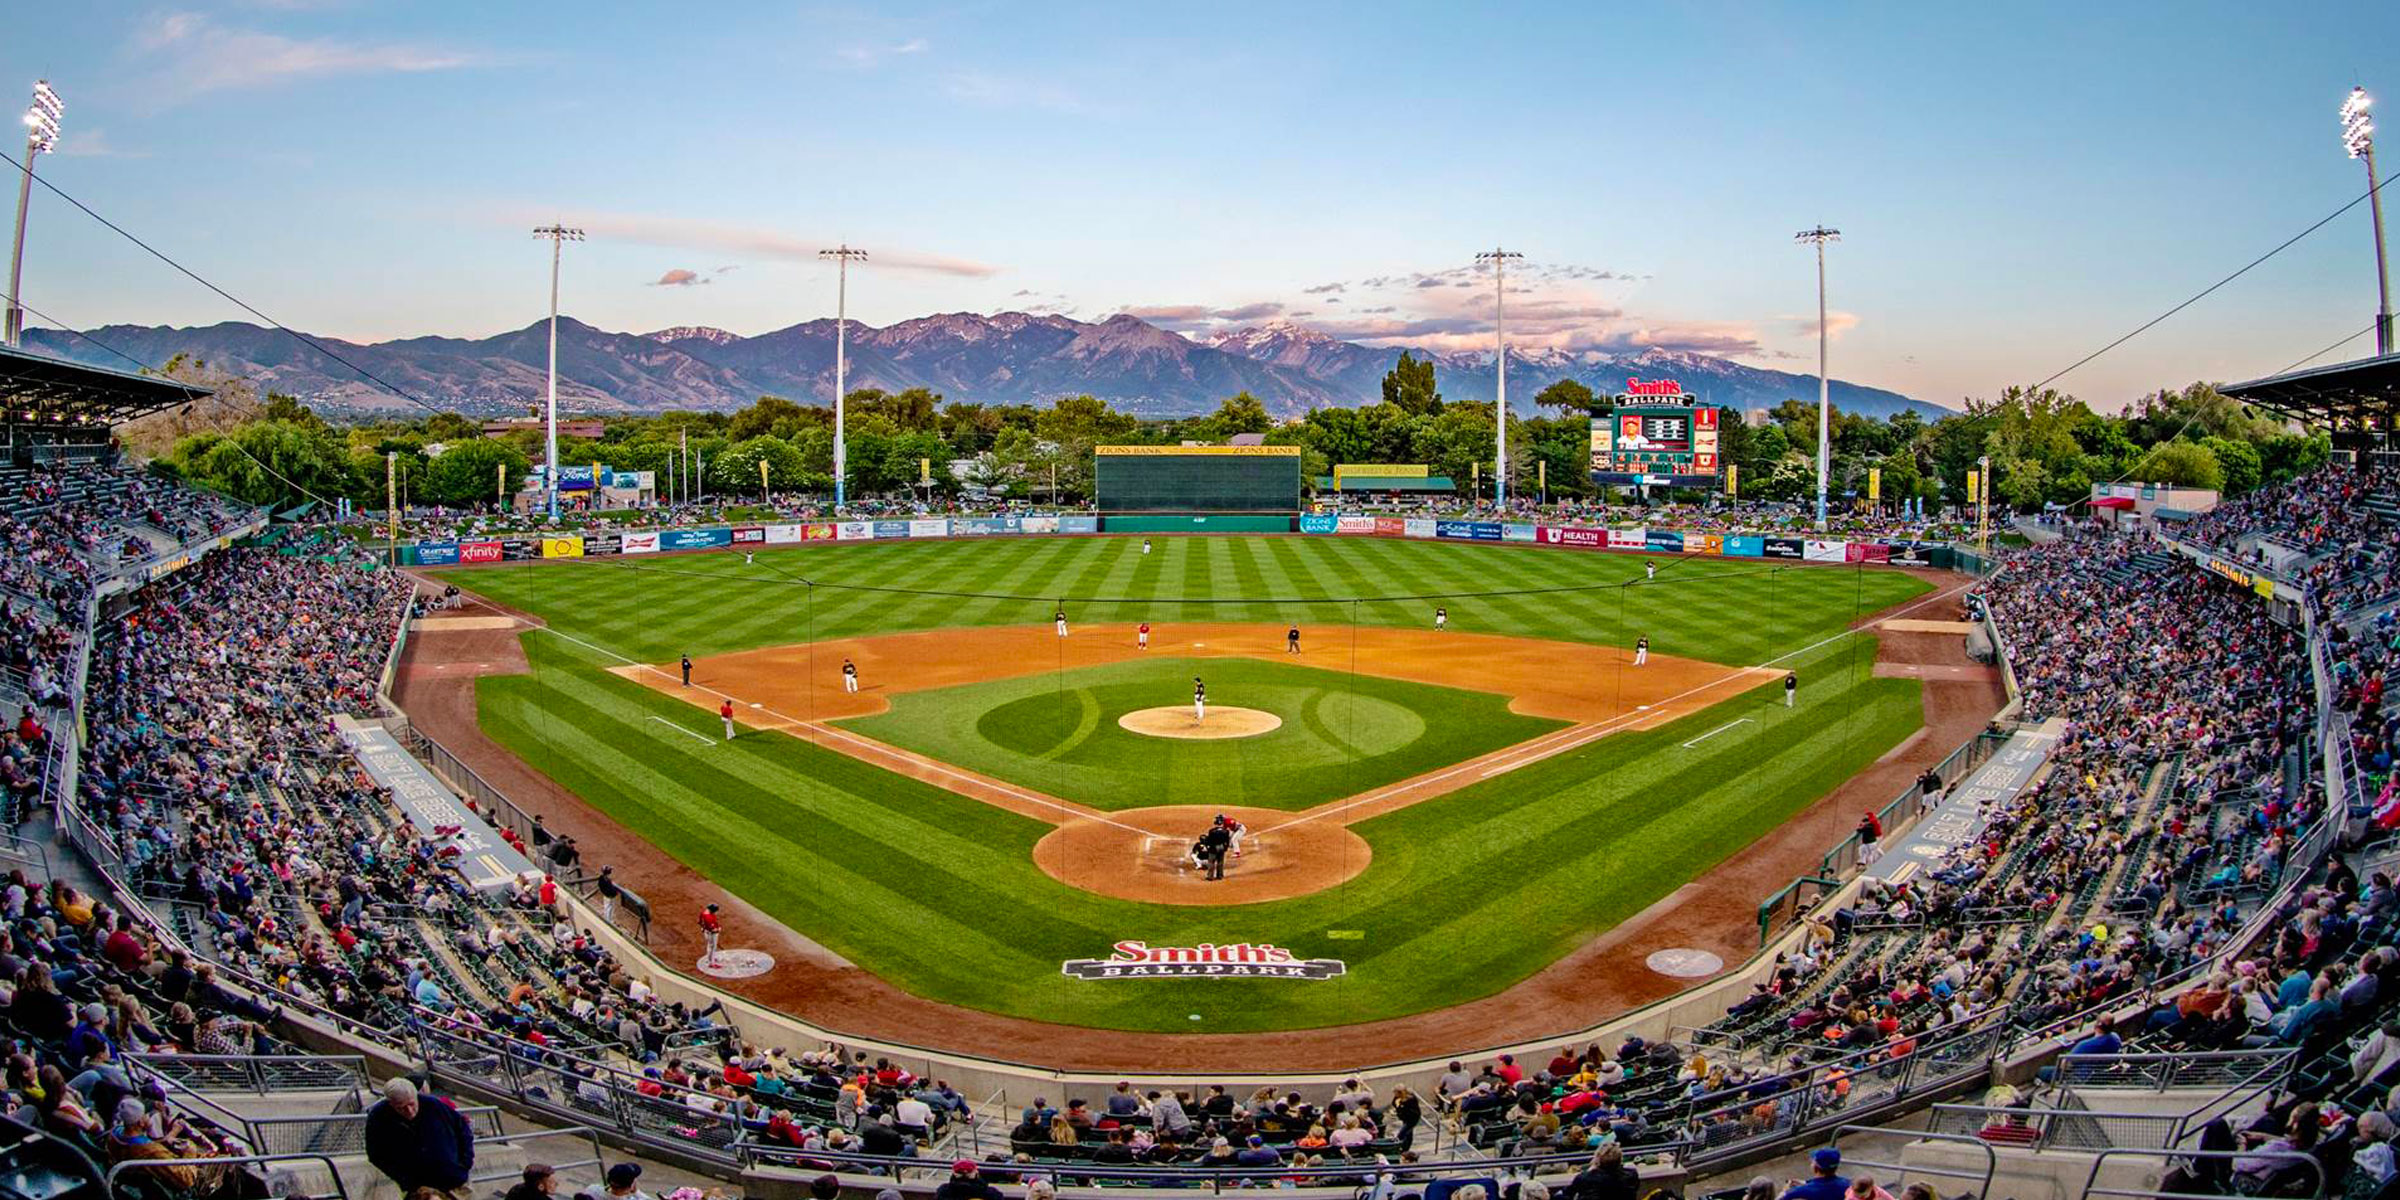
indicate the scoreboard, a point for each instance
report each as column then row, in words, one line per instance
column 1657, row 435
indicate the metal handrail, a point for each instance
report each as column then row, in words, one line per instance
column 585, row 1132
column 1991, row 1157
column 135, row 1164
column 2091, row 1181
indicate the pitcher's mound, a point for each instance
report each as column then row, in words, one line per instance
column 1223, row 722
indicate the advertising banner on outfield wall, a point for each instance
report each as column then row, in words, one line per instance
column 1866, row 552
column 931, row 528
column 603, row 543
column 570, row 546
column 1628, row 539
column 436, row 554
column 645, row 542
column 1079, row 524
column 1817, row 551
column 1416, row 527
column 816, row 531
column 891, row 529
column 1741, row 545
column 1517, row 533
column 479, row 552
column 750, row 535
column 1320, row 524
column 1478, row 531
column 1573, row 535
column 1390, row 527
column 520, row 549
column 1041, row 524
column 694, row 539
column 1909, row 554
column 1663, row 541
column 855, row 531
column 1780, row 547
column 783, row 535
column 1703, row 543
column 978, row 526
column 1354, row 525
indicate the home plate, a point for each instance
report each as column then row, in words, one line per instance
column 1684, row 963
column 736, row 964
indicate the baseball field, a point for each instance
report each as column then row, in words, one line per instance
column 1443, row 812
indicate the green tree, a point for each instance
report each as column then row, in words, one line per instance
column 1570, row 396
column 770, row 415
column 467, row 474
column 909, row 411
column 2239, row 461
column 275, row 463
column 2180, row 464
column 734, row 470
column 1069, row 430
column 1410, row 387
column 1241, row 413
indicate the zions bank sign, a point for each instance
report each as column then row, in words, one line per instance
column 1238, row 960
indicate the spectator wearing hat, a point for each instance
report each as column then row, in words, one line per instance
column 624, row 1182
column 966, row 1182
column 1825, row 1181
column 539, row 1183
column 417, row 1143
column 1257, row 1153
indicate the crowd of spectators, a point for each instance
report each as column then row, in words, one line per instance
column 2342, row 523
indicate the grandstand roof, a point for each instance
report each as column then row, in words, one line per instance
column 38, row 389
column 2342, row 396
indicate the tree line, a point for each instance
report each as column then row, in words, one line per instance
column 2045, row 447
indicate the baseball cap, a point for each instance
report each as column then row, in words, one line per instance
column 1827, row 1158
column 962, row 1166
column 623, row 1174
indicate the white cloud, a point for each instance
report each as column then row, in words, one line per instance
column 680, row 277
column 865, row 57
column 749, row 240
column 192, row 55
column 1837, row 323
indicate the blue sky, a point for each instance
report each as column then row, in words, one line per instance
column 2014, row 188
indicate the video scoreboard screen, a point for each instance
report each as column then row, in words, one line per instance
column 1657, row 435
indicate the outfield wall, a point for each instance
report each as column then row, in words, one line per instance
column 449, row 552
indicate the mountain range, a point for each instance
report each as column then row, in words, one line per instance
column 1004, row 358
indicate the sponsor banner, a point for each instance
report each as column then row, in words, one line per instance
column 478, row 552
column 1738, row 545
column 1079, row 524
column 978, row 526
column 1703, row 543
column 1041, row 524
column 604, row 543
column 1909, row 554
column 1239, row 960
column 1516, row 533
column 520, row 549
column 1416, row 527
column 817, row 531
column 632, row 481
column 570, row 546
column 1779, row 547
column 1479, row 531
column 1573, row 535
column 1866, row 552
column 1960, row 818
column 930, row 528
column 168, row 566
column 891, row 529
column 694, row 539
column 1320, row 524
column 1816, row 551
column 645, row 542
column 854, row 531
column 575, row 479
column 1354, row 525
column 1628, row 539
column 435, row 554
column 1664, row 541
column 750, row 535
column 2225, row 570
column 1390, row 527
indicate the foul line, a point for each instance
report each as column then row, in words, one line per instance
column 1584, row 734
column 680, row 729
column 1714, row 732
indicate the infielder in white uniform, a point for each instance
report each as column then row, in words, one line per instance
column 1199, row 700
column 1062, row 622
column 849, row 676
column 1641, row 651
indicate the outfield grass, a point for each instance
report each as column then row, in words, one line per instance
column 1342, row 734
column 1467, row 893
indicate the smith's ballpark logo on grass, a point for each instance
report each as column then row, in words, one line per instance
column 1239, row 960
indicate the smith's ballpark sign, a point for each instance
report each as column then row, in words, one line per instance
column 1240, row 960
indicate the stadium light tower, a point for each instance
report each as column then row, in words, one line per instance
column 2358, row 137
column 1499, row 260
column 842, row 256
column 1821, row 235
column 559, row 236
column 41, row 134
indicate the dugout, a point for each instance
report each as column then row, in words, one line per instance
column 1261, row 481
